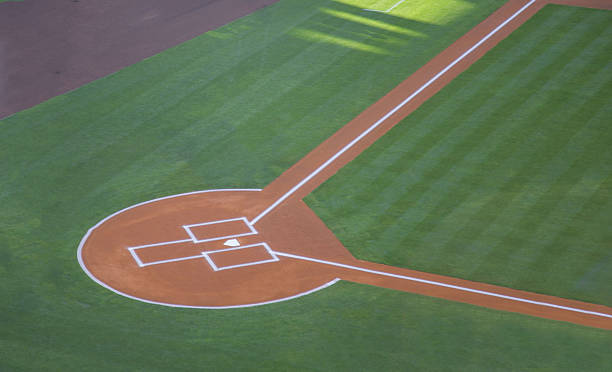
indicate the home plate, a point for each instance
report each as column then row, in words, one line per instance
column 232, row 243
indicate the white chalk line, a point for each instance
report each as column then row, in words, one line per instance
column 385, row 11
column 206, row 256
column 440, row 284
column 388, row 114
column 214, row 266
column 171, row 260
column 193, row 239
column 162, row 243
column 135, row 257
column 244, row 220
column 101, row 283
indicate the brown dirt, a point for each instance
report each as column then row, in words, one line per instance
column 292, row 228
column 49, row 47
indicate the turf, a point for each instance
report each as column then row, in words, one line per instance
column 505, row 176
column 343, row 328
column 232, row 108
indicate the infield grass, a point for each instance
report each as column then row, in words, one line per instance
column 232, row 108
column 505, row 176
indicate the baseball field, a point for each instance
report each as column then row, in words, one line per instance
column 503, row 177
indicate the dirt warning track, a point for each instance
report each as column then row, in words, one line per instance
column 237, row 248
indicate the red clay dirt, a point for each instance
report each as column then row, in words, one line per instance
column 49, row 47
column 309, row 255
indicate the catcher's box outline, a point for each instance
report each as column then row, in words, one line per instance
column 385, row 11
column 243, row 219
column 207, row 254
column 195, row 240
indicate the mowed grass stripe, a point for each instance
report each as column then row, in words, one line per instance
column 555, row 179
column 481, row 182
column 468, row 149
column 444, row 128
column 549, row 142
column 584, row 151
column 178, row 99
column 522, row 197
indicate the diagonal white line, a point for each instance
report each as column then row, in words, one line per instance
column 440, row 284
column 385, row 11
column 388, row 114
column 396, row 4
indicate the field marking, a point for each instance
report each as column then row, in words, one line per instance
column 102, row 221
column 135, row 256
column 205, row 255
column 216, row 268
column 171, row 260
column 388, row 114
column 243, row 219
column 162, row 243
column 139, row 261
column 440, row 284
column 385, row 11
column 104, row 285
column 193, row 239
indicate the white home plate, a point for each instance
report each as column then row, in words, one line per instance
column 232, row 243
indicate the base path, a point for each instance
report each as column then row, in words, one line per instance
column 237, row 248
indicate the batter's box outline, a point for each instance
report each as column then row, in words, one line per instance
column 252, row 263
column 193, row 237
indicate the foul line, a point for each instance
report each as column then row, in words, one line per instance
column 388, row 114
column 385, row 11
column 440, row 284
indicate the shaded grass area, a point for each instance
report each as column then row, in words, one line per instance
column 505, row 176
column 345, row 327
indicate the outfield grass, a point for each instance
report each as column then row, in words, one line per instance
column 505, row 176
column 232, row 108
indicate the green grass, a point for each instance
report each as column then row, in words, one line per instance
column 345, row 327
column 232, row 108
column 505, row 176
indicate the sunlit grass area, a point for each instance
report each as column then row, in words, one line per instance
column 438, row 13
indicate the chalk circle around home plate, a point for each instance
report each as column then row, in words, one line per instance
column 195, row 250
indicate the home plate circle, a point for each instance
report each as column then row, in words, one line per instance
column 196, row 250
